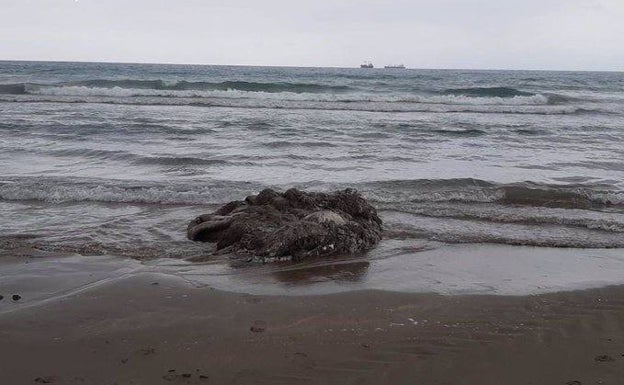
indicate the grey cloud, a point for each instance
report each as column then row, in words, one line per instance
column 544, row 34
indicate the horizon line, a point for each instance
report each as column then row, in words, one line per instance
column 295, row 66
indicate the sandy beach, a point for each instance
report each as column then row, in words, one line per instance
column 154, row 329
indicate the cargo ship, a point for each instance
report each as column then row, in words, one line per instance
column 395, row 66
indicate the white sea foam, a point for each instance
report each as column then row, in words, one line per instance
column 453, row 190
column 273, row 102
column 60, row 192
column 119, row 92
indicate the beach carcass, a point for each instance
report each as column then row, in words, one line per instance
column 291, row 225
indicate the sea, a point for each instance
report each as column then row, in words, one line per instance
column 498, row 182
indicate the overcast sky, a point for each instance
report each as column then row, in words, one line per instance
column 502, row 34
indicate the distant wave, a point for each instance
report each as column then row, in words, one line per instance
column 93, row 153
column 13, row 89
column 178, row 161
column 467, row 132
column 487, row 92
column 287, row 143
column 162, row 85
column 183, row 85
column 536, row 105
column 137, row 159
column 306, row 96
column 129, row 88
column 285, row 96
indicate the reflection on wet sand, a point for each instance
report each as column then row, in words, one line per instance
column 339, row 271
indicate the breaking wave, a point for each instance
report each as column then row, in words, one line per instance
column 58, row 190
column 592, row 220
column 282, row 93
column 452, row 210
column 303, row 96
column 478, row 191
column 537, row 105
column 286, row 96
column 464, row 190
column 123, row 90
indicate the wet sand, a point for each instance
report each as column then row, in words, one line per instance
column 154, row 329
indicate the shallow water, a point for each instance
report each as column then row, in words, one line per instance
column 117, row 158
column 396, row 265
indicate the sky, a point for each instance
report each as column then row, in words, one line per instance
column 476, row 34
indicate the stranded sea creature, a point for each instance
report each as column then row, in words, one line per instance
column 291, row 225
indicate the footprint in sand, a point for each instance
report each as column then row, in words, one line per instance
column 45, row 380
column 603, row 358
column 173, row 376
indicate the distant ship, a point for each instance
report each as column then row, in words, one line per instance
column 395, row 66
column 367, row 65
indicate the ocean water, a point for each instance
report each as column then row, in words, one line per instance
column 115, row 159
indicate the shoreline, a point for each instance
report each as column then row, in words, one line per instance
column 401, row 266
column 156, row 329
